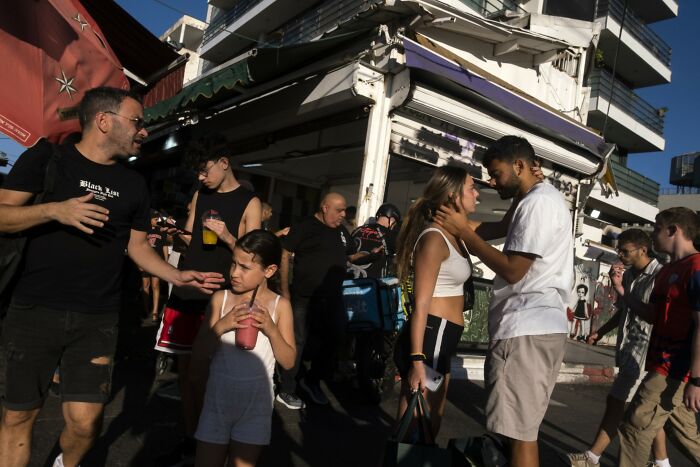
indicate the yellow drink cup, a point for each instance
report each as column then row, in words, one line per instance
column 209, row 237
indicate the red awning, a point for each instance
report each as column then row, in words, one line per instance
column 53, row 51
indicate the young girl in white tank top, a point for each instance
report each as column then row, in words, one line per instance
column 236, row 418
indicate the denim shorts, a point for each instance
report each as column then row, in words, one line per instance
column 36, row 340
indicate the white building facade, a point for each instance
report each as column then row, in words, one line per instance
column 364, row 97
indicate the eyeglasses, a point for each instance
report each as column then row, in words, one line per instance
column 205, row 171
column 625, row 252
column 139, row 123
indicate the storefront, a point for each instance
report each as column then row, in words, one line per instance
column 374, row 132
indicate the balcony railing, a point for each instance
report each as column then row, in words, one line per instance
column 636, row 27
column 635, row 184
column 494, row 8
column 315, row 22
column 226, row 19
column 601, row 83
column 680, row 190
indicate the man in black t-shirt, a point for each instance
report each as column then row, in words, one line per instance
column 65, row 305
column 321, row 247
column 238, row 212
column 378, row 240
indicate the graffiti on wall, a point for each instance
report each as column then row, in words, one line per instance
column 592, row 301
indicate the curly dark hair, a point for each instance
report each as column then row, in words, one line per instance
column 210, row 147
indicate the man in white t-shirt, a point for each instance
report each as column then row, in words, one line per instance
column 534, row 277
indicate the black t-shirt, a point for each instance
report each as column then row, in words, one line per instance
column 216, row 258
column 64, row 268
column 157, row 240
column 375, row 265
column 320, row 254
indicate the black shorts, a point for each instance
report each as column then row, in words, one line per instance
column 36, row 340
column 439, row 345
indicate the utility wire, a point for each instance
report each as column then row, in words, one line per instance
column 617, row 50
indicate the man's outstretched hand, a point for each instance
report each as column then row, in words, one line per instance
column 205, row 282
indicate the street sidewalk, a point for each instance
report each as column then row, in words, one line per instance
column 141, row 426
column 583, row 363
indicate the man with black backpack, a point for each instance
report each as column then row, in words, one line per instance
column 66, row 298
column 378, row 239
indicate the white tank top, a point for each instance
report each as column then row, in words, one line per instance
column 454, row 271
column 244, row 365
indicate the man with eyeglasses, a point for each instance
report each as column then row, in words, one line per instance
column 238, row 211
column 632, row 343
column 67, row 298
column 670, row 391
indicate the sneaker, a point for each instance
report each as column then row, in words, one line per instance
column 290, row 401
column 314, row 390
column 579, row 459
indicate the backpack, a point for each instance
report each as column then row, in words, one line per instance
column 12, row 245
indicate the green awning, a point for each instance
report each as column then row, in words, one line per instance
column 220, row 82
column 261, row 65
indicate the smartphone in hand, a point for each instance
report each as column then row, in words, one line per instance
column 163, row 222
column 434, row 379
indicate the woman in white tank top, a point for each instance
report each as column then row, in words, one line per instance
column 440, row 264
column 236, row 418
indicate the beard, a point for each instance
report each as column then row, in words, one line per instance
column 510, row 189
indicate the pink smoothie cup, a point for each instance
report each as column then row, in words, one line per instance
column 246, row 338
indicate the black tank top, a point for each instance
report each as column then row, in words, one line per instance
column 216, row 258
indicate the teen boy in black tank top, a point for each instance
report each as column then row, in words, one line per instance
column 231, row 206
column 240, row 212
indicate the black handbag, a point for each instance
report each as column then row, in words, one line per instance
column 423, row 453
column 479, row 451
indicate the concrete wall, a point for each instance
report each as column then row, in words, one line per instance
column 688, row 201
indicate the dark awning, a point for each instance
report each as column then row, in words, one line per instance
column 257, row 66
column 138, row 50
column 522, row 109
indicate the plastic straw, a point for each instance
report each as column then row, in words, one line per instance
column 252, row 298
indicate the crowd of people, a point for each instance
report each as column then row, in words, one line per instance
column 248, row 304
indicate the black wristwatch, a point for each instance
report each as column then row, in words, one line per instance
column 694, row 381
